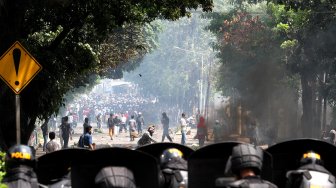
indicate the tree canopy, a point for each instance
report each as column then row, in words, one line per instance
column 74, row 40
column 268, row 46
column 309, row 31
column 173, row 73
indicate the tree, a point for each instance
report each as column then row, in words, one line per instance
column 2, row 168
column 69, row 39
column 251, row 69
column 310, row 27
column 173, row 73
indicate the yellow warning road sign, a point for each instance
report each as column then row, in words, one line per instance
column 18, row 67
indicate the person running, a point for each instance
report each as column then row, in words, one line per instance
column 165, row 125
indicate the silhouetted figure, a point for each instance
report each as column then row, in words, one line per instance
column 310, row 173
column 246, row 163
column 20, row 162
column 165, row 125
column 174, row 169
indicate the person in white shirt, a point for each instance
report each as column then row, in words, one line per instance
column 52, row 145
column 70, row 116
column 123, row 123
column 183, row 124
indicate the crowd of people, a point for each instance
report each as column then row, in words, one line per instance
column 128, row 113
column 134, row 126
column 104, row 104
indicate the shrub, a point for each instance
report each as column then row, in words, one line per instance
column 2, row 168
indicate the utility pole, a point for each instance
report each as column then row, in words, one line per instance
column 201, row 88
column 208, row 92
column 202, row 99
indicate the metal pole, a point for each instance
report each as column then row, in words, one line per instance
column 208, row 93
column 324, row 117
column 201, row 88
column 18, row 129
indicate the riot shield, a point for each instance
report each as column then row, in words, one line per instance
column 286, row 156
column 208, row 163
column 206, row 166
column 143, row 166
column 53, row 166
column 157, row 149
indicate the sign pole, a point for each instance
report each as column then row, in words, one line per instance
column 17, row 69
column 18, row 127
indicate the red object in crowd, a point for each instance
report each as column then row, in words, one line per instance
column 201, row 123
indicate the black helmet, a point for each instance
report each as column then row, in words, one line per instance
column 20, row 155
column 311, row 158
column 112, row 176
column 170, row 154
column 246, row 156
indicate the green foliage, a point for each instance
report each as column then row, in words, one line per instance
column 282, row 28
column 2, row 168
column 177, row 60
column 45, row 35
column 309, row 42
column 289, row 44
column 252, row 65
column 74, row 40
column 299, row 5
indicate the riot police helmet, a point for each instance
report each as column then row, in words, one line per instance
column 169, row 155
column 115, row 177
column 311, row 157
column 246, row 156
column 311, row 173
column 20, row 155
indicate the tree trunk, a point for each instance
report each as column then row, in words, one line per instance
column 307, row 104
column 324, row 116
column 318, row 122
column 324, row 120
column 296, row 119
column 8, row 120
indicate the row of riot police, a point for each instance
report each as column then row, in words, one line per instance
column 303, row 163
